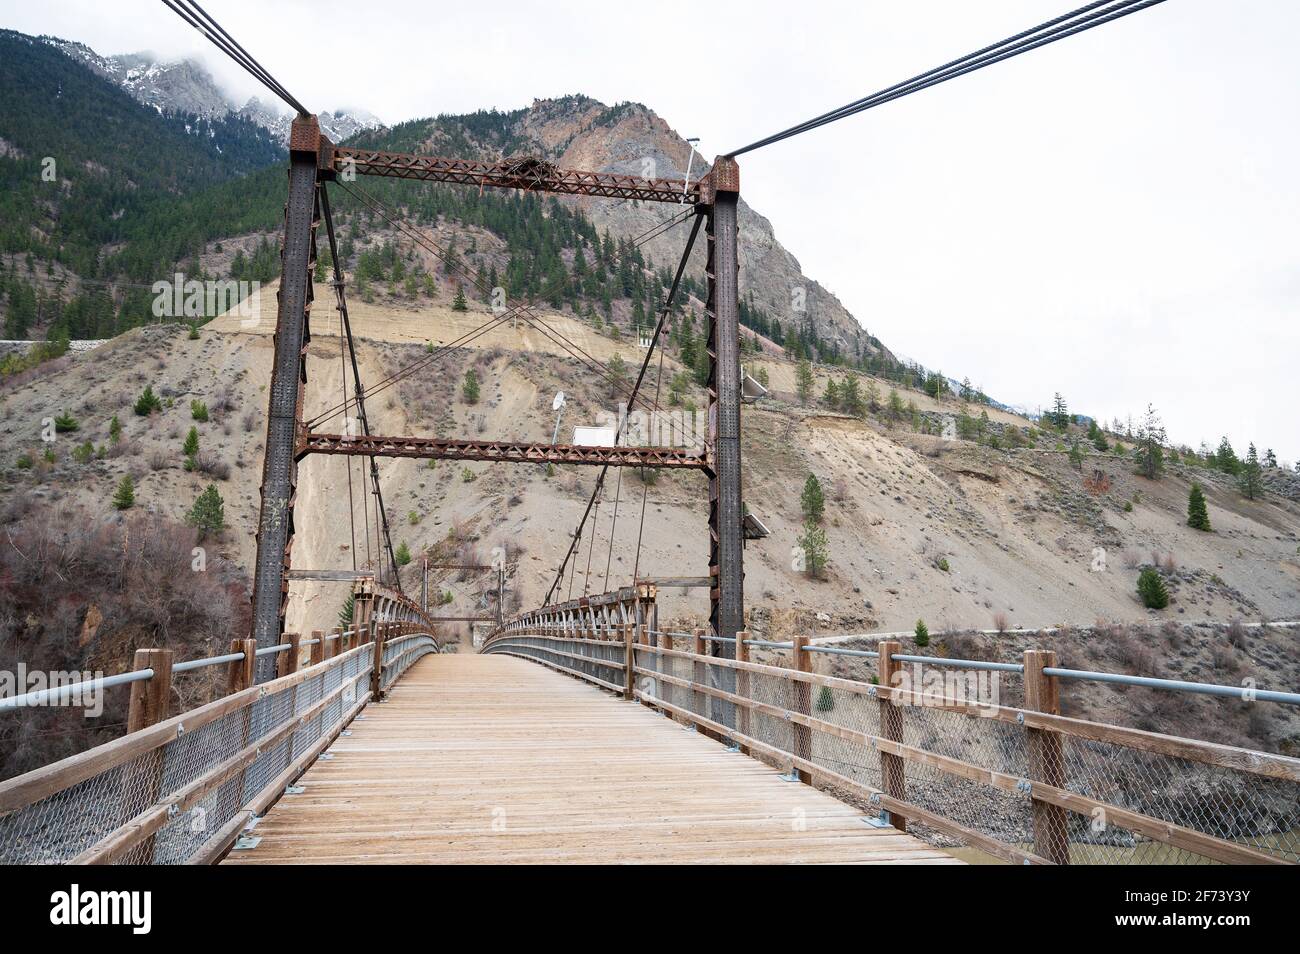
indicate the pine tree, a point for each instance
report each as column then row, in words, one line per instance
column 1251, row 475
column 1076, row 455
column 803, row 377
column 895, row 405
column 831, row 396
column 191, row 448
column 1198, row 516
column 922, row 633
column 617, row 374
column 812, row 500
column 1151, row 439
column 851, row 397
column 124, row 498
column 115, row 430
column 469, row 389
column 459, row 303
column 147, row 402
column 815, row 551
column 403, row 554
column 1225, row 458
column 1060, row 413
column 1151, row 587
column 208, row 515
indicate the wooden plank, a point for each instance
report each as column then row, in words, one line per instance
column 459, row 766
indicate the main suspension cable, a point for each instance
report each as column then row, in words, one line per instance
column 1077, row 21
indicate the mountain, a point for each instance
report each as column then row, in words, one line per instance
column 581, row 133
column 185, row 86
column 138, row 205
column 96, row 186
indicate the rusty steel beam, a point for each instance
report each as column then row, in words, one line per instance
column 512, row 452
column 529, row 174
column 288, row 375
column 726, row 514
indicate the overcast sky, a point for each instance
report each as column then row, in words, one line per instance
column 1113, row 216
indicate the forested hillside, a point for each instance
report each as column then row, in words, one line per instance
column 95, row 186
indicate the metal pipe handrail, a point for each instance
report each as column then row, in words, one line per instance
column 1150, row 682
column 1177, row 685
column 40, row 696
column 839, row 651
column 204, row 661
column 960, row 663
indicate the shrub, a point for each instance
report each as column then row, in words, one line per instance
column 825, row 700
column 65, row 423
column 83, row 452
column 24, row 462
column 194, row 331
column 467, row 475
column 208, row 463
column 1151, row 587
column 942, row 564
column 148, row 402
column 199, row 411
column 922, row 633
column 412, row 518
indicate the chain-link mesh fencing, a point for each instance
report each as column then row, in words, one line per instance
column 205, row 772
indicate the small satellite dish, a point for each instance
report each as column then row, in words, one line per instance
column 558, row 402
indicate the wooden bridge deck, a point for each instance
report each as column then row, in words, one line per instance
column 492, row 759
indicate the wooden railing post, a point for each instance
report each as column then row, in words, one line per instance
column 892, row 779
column 317, row 648
column 742, row 687
column 377, row 672
column 241, row 670
column 700, row 674
column 1046, row 758
column 801, row 702
column 142, row 780
column 150, row 699
column 288, row 661
column 629, row 660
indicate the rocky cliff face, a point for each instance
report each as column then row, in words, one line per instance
column 186, row 86
column 581, row 133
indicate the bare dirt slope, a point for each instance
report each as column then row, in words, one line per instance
column 1017, row 532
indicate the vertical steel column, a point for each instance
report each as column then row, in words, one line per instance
column 726, row 543
column 288, row 374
